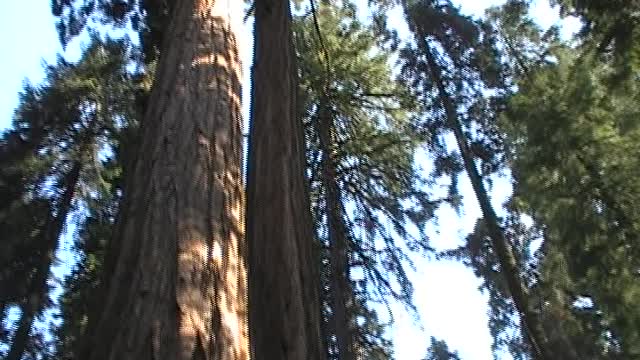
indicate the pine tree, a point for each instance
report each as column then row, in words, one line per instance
column 520, row 46
column 365, row 188
column 576, row 324
column 583, row 192
column 52, row 151
column 451, row 64
column 439, row 350
column 90, row 244
column 609, row 30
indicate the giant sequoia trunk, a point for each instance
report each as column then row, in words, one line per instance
column 176, row 286
column 506, row 257
column 284, row 310
column 341, row 299
column 38, row 291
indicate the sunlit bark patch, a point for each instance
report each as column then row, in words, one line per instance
column 179, row 286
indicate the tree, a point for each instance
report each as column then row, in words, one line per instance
column 284, row 308
column 609, row 28
column 162, row 258
column 91, row 240
column 523, row 44
column 520, row 45
column 53, row 149
column 439, row 350
column 37, row 291
column 149, row 18
column 582, row 193
column 365, row 189
column 450, row 64
column 174, row 281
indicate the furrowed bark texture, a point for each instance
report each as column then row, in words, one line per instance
column 177, row 288
column 341, row 303
column 38, row 291
column 284, row 310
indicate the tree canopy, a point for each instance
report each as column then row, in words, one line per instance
column 132, row 156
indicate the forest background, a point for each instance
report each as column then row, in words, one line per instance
column 449, row 304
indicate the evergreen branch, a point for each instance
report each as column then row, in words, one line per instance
column 316, row 25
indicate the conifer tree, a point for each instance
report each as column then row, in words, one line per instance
column 439, row 350
column 90, row 243
column 579, row 195
column 451, row 65
column 53, row 149
column 575, row 323
column 610, row 31
column 360, row 157
column 162, row 262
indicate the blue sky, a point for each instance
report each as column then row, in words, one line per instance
column 450, row 306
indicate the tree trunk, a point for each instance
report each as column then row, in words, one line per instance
column 506, row 257
column 338, row 244
column 284, row 308
column 38, row 291
column 177, row 288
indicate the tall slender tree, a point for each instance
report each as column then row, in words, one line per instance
column 90, row 242
column 53, row 149
column 366, row 191
column 450, row 62
column 284, row 308
column 38, row 291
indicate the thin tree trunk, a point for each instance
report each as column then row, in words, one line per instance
column 38, row 293
column 15, row 151
column 506, row 257
column 284, row 308
column 338, row 245
column 178, row 282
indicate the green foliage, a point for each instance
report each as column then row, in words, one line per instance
column 575, row 159
column 439, row 350
column 610, row 28
column 346, row 74
column 72, row 122
column 149, row 18
column 82, row 284
column 522, row 42
column 463, row 53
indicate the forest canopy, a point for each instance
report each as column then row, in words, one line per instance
column 296, row 233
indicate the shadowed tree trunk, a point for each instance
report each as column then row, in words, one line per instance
column 338, row 243
column 284, row 310
column 176, row 286
column 38, row 292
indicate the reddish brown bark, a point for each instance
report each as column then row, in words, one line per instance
column 284, row 310
column 177, row 285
